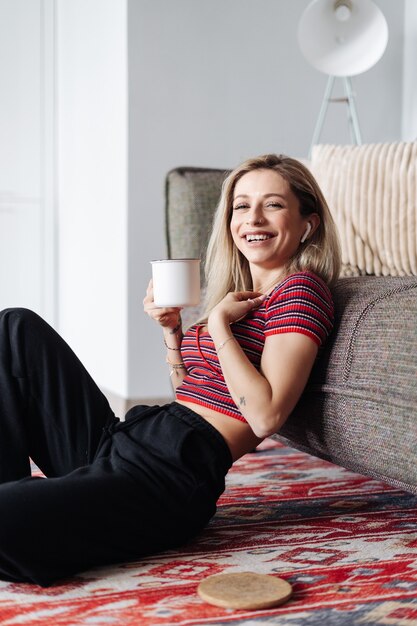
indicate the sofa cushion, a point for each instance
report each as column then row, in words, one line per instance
column 359, row 409
column 372, row 192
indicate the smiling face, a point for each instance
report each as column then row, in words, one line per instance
column 266, row 223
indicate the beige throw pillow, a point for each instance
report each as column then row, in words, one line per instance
column 372, row 193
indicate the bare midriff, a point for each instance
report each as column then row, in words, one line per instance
column 238, row 435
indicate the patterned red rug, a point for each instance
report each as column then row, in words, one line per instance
column 347, row 544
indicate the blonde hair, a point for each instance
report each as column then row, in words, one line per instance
column 226, row 269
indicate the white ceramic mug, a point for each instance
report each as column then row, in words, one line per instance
column 176, row 282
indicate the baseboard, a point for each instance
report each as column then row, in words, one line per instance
column 121, row 405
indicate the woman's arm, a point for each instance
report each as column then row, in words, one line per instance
column 170, row 321
column 266, row 397
column 172, row 340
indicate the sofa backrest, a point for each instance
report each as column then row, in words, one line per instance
column 191, row 195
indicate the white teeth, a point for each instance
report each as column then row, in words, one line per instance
column 257, row 237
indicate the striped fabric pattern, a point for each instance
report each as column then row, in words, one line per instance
column 371, row 190
column 302, row 303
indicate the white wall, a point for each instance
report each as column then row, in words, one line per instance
column 409, row 125
column 27, row 242
column 211, row 83
column 148, row 85
column 143, row 86
column 92, row 182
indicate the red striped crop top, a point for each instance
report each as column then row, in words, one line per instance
column 302, row 303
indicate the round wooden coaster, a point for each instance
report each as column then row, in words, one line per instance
column 244, row 590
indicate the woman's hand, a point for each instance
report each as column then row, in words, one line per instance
column 234, row 306
column 170, row 320
column 167, row 317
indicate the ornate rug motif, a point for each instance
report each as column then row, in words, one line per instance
column 347, row 544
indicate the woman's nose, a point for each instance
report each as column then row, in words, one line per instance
column 255, row 217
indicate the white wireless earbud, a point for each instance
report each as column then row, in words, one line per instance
column 306, row 234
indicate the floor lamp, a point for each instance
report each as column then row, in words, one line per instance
column 342, row 38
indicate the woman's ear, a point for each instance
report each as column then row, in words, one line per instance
column 306, row 233
column 313, row 222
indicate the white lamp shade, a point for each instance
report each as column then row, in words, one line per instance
column 342, row 42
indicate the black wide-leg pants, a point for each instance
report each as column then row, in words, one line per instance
column 115, row 491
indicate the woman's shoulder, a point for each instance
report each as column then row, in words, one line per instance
column 302, row 303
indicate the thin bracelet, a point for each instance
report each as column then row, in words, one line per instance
column 223, row 343
column 175, row 366
column 169, row 347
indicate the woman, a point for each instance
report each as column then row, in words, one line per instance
column 120, row 490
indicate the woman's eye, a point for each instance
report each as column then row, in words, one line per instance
column 275, row 205
column 240, row 206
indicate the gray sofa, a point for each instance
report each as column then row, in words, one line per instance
column 359, row 409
